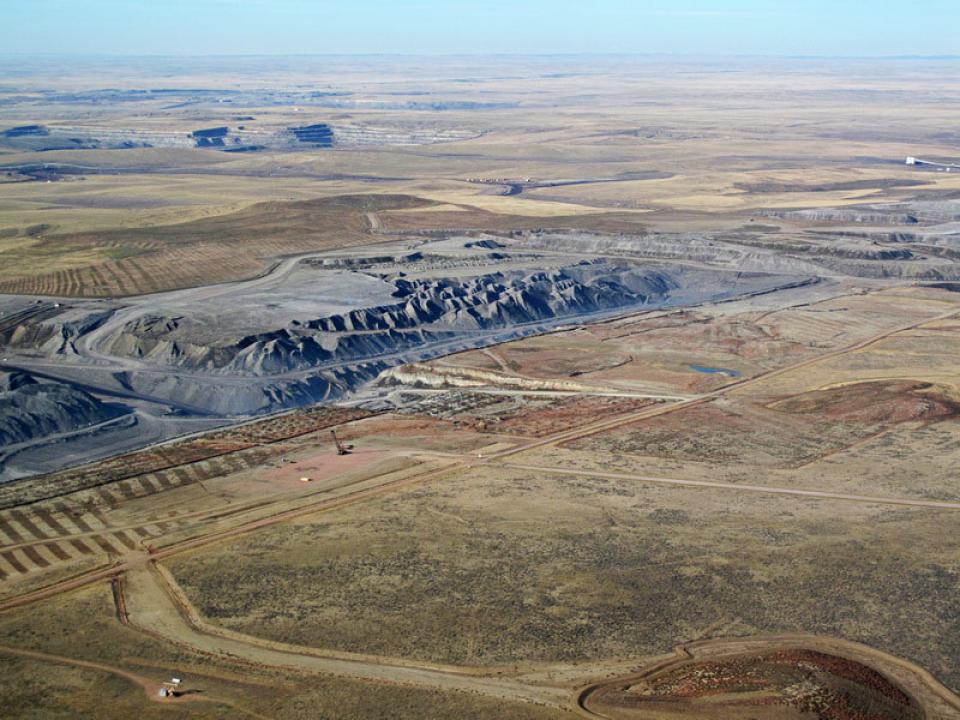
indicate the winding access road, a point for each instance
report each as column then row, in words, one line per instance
column 156, row 605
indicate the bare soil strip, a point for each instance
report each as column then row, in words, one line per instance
column 824, row 494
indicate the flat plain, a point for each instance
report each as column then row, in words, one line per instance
column 648, row 369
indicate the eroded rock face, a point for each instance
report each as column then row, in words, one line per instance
column 426, row 311
column 30, row 409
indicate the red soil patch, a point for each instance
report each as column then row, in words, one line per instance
column 785, row 433
column 418, row 432
column 211, row 445
column 825, row 686
column 564, row 414
column 874, row 402
column 555, row 361
column 293, row 425
column 319, row 466
column 401, row 425
column 728, row 433
column 843, row 668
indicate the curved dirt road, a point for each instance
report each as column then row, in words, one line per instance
column 937, row 701
column 153, row 603
column 156, row 609
column 150, row 687
column 153, row 599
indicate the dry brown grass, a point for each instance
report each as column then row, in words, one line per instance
column 719, row 146
column 83, row 626
column 497, row 566
column 234, row 246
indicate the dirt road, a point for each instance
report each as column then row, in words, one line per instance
column 150, row 687
column 153, row 602
column 155, row 605
column 739, row 487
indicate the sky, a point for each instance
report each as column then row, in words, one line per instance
column 441, row 27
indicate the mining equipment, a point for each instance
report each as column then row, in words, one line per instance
column 941, row 167
column 170, row 689
column 341, row 448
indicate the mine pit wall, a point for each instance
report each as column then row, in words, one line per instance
column 669, row 247
column 427, row 313
column 33, row 409
column 170, row 360
column 317, row 135
column 252, row 396
column 249, row 395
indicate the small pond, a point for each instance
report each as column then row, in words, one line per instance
column 716, row 371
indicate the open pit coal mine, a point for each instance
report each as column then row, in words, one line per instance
column 237, row 138
column 326, row 330
column 325, row 327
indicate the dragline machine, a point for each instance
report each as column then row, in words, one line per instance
column 341, row 448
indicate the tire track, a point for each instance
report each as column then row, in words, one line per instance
column 769, row 489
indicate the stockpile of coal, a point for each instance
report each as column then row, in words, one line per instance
column 211, row 137
column 26, row 131
column 31, row 409
column 319, row 135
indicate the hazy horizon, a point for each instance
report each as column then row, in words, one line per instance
column 493, row 55
column 730, row 28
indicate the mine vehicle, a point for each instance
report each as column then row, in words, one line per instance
column 341, row 448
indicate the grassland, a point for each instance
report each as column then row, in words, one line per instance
column 708, row 153
column 84, row 627
column 164, row 257
column 504, row 567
